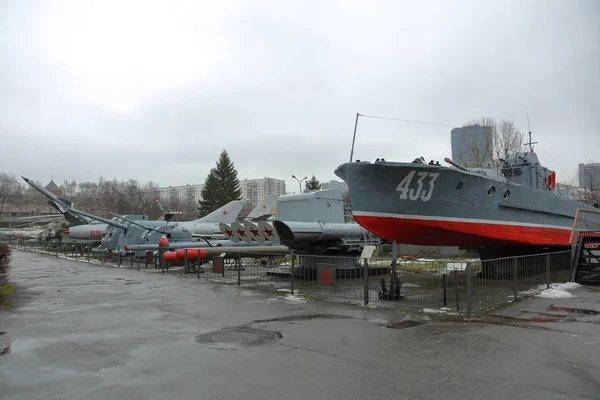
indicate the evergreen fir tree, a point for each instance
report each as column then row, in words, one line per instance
column 221, row 186
column 209, row 190
column 229, row 184
column 312, row 184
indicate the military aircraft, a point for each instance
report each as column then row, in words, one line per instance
column 206, row 227
column 311, row 222
column 93, row 228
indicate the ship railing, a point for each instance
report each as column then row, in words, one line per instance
column 586, row 222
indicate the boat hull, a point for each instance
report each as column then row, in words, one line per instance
column 423, row 204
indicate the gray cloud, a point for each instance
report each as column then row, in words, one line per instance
column 122, row 91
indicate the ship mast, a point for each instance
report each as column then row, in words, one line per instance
column 530, row 143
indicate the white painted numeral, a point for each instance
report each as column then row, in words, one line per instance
column 404, row 184
column 417, row 193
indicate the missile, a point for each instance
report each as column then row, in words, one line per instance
column 294, row 232
column 179, row 255
column 87, row 231
column 100, row 219
column 214, row 246
column 61, row 205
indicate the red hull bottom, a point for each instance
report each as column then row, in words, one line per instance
column 457, row 233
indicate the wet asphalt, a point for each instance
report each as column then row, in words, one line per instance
column 81, row 331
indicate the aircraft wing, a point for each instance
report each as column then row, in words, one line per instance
column 40, row 217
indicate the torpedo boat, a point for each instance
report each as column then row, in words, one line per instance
column 512, row 209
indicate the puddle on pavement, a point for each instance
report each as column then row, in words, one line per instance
column 514, row 321
column 4, row 351
column 409, row 323
column 571, row 310
column 238, row 338
column 303, row 317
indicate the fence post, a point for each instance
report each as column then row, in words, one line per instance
column 469, row 291
column 366, row 273
column 456, row 289
column 76, row 252
column 119, row 254
column 139, row 260
column 292, row 272
column 444, row 282
column 185, row 261
column 547, row 271
column 515, row 273
column 239, row 273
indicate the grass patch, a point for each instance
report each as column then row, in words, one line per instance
column 6, row 290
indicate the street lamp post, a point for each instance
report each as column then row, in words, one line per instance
column 299, row 181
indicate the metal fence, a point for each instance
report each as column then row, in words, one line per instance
column 464, row 286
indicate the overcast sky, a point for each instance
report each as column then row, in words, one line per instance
column 155, row 90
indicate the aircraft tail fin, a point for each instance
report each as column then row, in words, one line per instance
column 166, row 215
column 263, row 208
column 228, row 213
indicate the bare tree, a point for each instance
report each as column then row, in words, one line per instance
column 507, row 139
column 134, row 198
column 587, row 181
column 497, row 141
column 69, row 190
column 10, row 187
column 190, row 210
column 88, row 197
column 34, row 199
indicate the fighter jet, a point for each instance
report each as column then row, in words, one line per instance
column 93, row 228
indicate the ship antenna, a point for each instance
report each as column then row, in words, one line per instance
column 530, row 143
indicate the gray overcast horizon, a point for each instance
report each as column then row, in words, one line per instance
column 155, row 91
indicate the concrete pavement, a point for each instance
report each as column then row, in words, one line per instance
column 81, row 331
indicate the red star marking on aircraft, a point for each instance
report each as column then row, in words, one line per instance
column 326, row 277
column 224, row 212
column 241, row 232
column 229, row 232
column 254, row 232
column 268, row 231
column 265, row 207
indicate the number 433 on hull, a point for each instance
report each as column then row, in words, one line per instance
column 430, row 204
column 412, row 193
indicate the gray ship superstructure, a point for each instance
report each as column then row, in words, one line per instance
column 514, row 206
